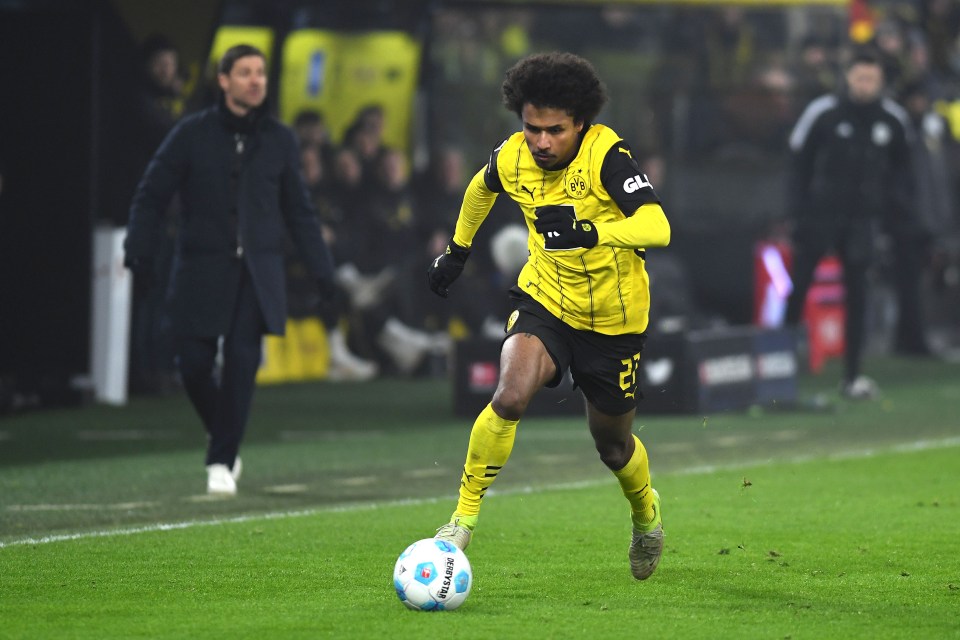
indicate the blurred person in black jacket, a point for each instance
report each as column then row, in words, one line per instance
column 237, row 170
column 850, row 175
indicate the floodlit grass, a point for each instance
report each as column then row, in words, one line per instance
column 852, row 548
column 827, row 520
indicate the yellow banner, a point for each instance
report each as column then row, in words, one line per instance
column 338, row 74
column 230, row 35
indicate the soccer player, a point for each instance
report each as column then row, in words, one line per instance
column 582, row 299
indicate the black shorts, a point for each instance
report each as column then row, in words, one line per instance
column 604, row 367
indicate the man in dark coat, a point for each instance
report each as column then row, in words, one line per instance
column 850, row 174
column 237, row 172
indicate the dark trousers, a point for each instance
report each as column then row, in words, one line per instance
column 910, row 261
column 805, row 260
column 223, row 401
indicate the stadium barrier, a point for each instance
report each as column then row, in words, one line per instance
column 695, row 372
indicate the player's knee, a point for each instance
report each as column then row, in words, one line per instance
column 614, row 455
column 509, row 403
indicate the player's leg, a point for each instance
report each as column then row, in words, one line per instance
column 606, row 367
column 525, row 367
column 625, row 455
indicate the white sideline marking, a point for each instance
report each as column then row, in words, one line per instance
column 122, row 435
column 117, row 506
column 908, row 447
column 286, row 489
column 427, row 472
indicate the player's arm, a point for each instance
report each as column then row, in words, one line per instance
column 644, row 223
column 477, row 202
column 645, row 227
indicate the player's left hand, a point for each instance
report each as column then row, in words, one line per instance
column 562, row 230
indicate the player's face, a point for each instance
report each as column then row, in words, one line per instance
column 551, row 135
column 245, row 87
column 864, row 82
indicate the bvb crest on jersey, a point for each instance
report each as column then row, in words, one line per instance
column 575, row 183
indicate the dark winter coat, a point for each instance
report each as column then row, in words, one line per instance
column 240, row 190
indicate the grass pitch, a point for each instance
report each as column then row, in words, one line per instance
column 838, row 521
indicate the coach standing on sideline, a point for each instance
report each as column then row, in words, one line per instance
column 237, row 172
column 850, row 175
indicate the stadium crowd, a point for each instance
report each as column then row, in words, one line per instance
column 746, row 87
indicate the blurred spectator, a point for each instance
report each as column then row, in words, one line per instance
column 302, row 291
column 729, row 48
column 850, row 172
column 940, row 21
column 758, row 115
column 814, row 71
column 919, row 246
column 152, row 368
column 364, row 137
column 310, row 128
column 373, row 239
column 891, row 44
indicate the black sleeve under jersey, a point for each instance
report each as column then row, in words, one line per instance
column 624, row 181
column 491, row 177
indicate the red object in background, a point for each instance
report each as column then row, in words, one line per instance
column 825, row 313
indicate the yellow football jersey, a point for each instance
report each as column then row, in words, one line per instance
column 605, row 288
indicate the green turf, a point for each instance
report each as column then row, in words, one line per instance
column 815, row 549
column 853, row 548
column 317, row 444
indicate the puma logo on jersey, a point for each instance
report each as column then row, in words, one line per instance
column 636, row 183
column 524, row 188
column 626, row 151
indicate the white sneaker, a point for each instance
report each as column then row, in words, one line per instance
column 365, row 291
column 862, row 388
column 405, row 346
column 220, row 480
column 237, row 469
column 345, row 366
column 369, row 291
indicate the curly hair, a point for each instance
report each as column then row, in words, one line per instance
column 555, row 80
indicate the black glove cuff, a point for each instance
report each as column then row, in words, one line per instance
column 455, row 251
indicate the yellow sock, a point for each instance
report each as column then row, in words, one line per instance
column 634, row 479
column 491, row 442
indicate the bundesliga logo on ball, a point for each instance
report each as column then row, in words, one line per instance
column 432, row 575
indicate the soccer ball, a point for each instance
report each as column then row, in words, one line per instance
column 432, row 575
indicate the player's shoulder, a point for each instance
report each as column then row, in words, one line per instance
column 512, row 144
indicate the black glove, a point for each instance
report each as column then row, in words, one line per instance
column 562, row 230
column 446, row 268
column 144, row 277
